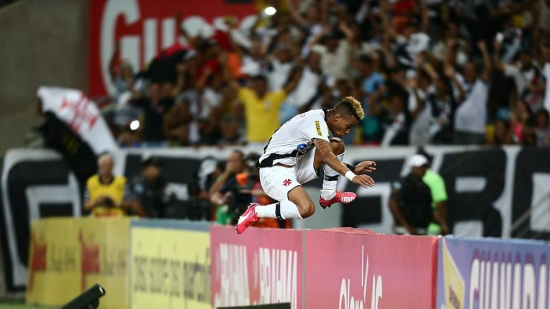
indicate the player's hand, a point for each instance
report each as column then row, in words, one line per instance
column 365, row 167
column 363, row 180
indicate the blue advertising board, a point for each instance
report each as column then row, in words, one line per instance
column 492, row 273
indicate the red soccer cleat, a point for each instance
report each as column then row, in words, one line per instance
column 340, row 197
column 248, row 218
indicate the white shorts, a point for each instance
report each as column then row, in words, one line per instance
column 278, row 180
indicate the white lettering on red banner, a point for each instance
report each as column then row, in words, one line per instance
column 234, row 276
column 143, row 28
column 278, row 276
column 350, row 302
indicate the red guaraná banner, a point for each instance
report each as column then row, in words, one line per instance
column 143, row 28
column 355, row 269
column 261, row 266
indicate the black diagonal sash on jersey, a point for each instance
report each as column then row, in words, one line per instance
column 268, row 162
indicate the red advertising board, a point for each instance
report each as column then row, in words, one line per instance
column 350, row 270
column 261, row 266
column 143, row 28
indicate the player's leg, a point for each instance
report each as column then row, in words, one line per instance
column 297, row 205
column 329, row 194
column 277, row 182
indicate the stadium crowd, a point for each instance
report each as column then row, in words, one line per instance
column 426, row 71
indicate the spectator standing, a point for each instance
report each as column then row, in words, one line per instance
column 310, row 23
column 261, row 106
column 472, row 90
column 371, row 80
column 154, row 107
column 106, row 194
column 420, row 112
column 413, row 39
column 411, row 200
column 394, row 118
column 527, row 76
column 150, row 191
column 280, row 67
column 443, row 106
column 335, row 51
column 308, row 90
column 453, row 41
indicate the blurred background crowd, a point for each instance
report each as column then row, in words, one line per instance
column 426, row 71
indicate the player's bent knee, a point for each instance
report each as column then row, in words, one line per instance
column 337, row 146
column 306, row 209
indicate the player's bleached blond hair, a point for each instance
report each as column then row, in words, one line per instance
column 350, row 106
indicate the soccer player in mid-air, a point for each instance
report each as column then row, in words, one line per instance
column 294, row 155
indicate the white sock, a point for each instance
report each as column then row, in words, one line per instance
column 287, row 209
column 330, row 180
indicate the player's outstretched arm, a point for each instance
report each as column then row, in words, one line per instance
column 330, row 159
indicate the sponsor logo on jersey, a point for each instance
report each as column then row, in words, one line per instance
column 318, row 127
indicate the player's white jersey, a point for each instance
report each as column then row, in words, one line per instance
column 294, row 138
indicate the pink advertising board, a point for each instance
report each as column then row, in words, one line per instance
column 351, row 269
column 261, row 266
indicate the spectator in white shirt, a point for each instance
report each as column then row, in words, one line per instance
column 279, row 67
column 308, row 90
column 335, row 52
column 472, row 90
column 527, row 76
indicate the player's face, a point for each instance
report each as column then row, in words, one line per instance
column 343, row 125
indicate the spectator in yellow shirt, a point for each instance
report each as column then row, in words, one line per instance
column 106, row 193
column 261, row 106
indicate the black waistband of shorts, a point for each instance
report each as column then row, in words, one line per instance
column 268, row 162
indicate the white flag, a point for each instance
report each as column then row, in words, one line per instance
column 75, row 109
